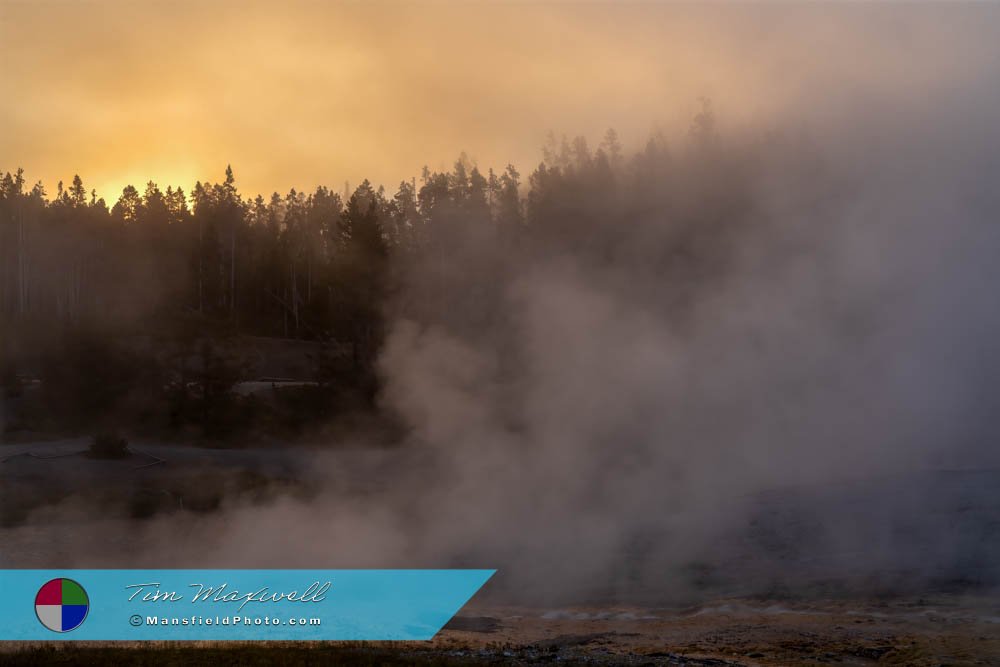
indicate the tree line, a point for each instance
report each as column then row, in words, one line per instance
column 193, row 271
column 299, row 265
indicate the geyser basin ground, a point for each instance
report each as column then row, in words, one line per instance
column 941, row 629
column 769, row 592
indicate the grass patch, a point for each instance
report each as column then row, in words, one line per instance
column 236, row 655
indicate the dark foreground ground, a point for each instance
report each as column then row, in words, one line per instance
column 935, row 602
column 943, row 630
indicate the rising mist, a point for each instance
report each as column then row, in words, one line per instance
column 742, row 356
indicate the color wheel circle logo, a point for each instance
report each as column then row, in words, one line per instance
column 61, row 605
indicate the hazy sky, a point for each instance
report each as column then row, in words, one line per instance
column 304, row 94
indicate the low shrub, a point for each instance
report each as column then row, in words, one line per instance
column 109, row 446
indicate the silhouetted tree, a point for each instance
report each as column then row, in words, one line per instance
column 325, row 265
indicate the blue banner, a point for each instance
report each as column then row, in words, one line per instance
column 232, row 604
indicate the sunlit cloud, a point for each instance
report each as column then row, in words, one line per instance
column 308, row 94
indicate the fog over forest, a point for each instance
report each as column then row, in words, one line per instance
column 595, row 372
column 754, row 353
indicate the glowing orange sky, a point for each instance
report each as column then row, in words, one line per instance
column 296, row 96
